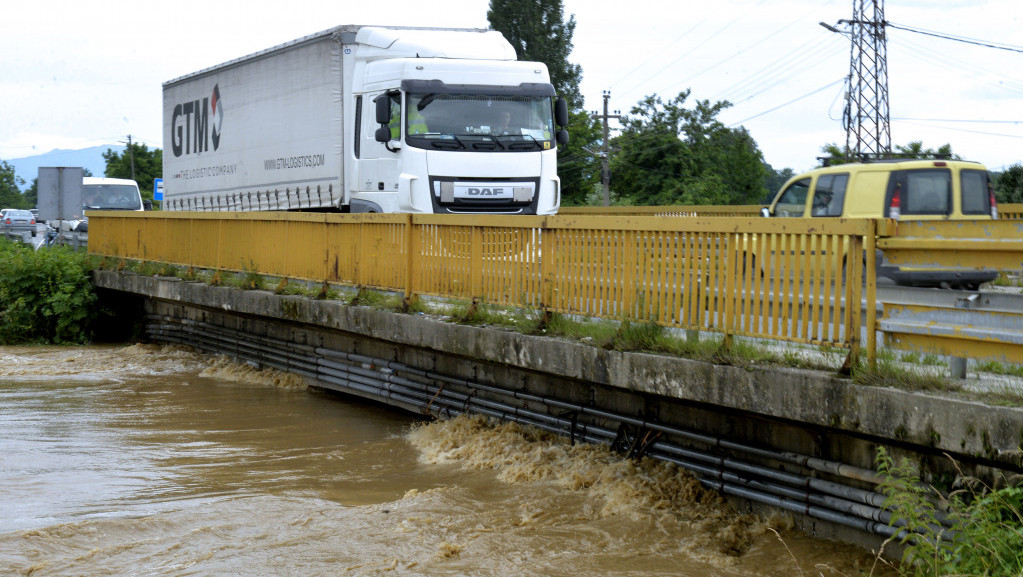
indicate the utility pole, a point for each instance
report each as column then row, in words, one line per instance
column 605, row 172
column 866, row 116
column 131, row 155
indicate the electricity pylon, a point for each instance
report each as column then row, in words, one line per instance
column 866, row 116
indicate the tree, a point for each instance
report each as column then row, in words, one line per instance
column 31, row 193
column 578, row 167
column 538, row 32
column 670, row 154
column 775, row 180
column 915, row 149
column 10, row 195
column 148, row 166
column 1009, row 185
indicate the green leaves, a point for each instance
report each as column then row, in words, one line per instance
column 10, row 194
column 669, row 153
column 1009, row 184
column 538, row 32
column 45, row 296
column 982, row 533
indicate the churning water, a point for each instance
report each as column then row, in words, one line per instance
column 147, row 460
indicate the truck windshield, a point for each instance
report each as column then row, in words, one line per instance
column 111, row 197
column 479, row 122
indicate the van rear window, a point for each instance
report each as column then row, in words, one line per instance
column 976, row 198
column 927, row 191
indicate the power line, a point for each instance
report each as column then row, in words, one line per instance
column 909, row 121
column 964, row 40
column 808, row 94
column 970, row 121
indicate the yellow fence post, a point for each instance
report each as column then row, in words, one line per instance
column 870, row 269
column 549, row 242
column 731, row 258
column 411, row 255
column 476, row 261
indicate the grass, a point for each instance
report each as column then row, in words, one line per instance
column 996, row 368
column 624, row 335
column 887, row 372
column 1007, row 280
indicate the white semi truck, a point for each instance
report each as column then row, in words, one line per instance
column 367, row 119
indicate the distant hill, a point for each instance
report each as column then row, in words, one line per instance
column 90, row 158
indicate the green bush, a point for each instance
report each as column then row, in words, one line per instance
column 45, row 296
column 982, row 533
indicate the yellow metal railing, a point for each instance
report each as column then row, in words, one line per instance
column 787, row 279
column 670, row 210
column 1007, row 211
column 1010, row 211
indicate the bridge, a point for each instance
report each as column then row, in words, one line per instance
column 772, row 436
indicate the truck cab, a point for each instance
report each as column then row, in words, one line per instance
column 453, row 124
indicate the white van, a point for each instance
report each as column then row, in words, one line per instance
column 107, row 194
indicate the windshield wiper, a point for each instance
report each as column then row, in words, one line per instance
column 425, row 102
column 448, row 142
column 524, row 144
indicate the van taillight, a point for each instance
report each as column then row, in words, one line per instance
column 994, row 203
column 895, row 206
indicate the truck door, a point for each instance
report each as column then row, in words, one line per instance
column 379, row 167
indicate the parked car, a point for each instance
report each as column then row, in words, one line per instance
column 18, row 220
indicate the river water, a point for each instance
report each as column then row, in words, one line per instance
column 150, row 460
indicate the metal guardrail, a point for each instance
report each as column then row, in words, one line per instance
column 980, row 326
column 970, row 244
column 75, row 240
column 24, row 237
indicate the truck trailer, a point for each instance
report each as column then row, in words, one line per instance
column 367, row 119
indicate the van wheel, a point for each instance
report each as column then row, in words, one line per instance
column 845, row 270
column 753, row 265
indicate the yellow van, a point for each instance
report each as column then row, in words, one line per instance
column 898, row 189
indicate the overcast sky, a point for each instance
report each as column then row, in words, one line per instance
column 85, row 72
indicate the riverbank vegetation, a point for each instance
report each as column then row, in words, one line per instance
column 974, row 530
column 46, row 296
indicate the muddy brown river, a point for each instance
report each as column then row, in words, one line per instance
column 149, row 460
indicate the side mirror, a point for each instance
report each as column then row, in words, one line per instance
column 147, row 204
column 562, row 136
column 383, row 134
column 765, row 212
column 561, row 112
column 383, row 103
